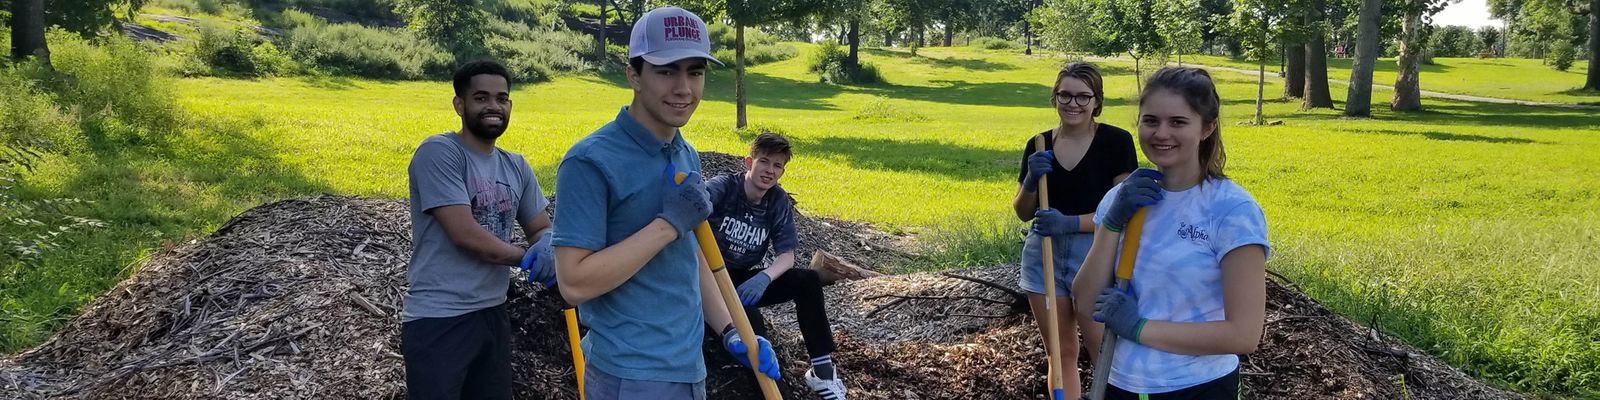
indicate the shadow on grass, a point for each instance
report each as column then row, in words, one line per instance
column 1453, row 137
column 971, row 64
column 917, row 156
column 150, row 195
column 1465, row 113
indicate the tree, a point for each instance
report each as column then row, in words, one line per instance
column 1130, row 26
column 458, row 25
column 1593, row 83
column 1453, row 41
column 1407, row 83
column 745, row 13
column 1489, row 40
column 1252, row 22
column 1294, row 69
column 27, row 31
column 1317, row 94
column 1183, row 25
column 1358, row 100
column 31, row 18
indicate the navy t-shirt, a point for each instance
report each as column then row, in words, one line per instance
column 1078, row 191
column 745, row 230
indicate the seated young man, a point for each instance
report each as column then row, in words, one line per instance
column 750, row 213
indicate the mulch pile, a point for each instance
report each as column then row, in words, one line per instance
column 299, row 299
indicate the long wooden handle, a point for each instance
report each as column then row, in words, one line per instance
column 730, row 296
column 1047, row 249
column 577, row 350
column 1124, row 274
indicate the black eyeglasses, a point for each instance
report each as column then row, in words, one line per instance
column 1082, row 100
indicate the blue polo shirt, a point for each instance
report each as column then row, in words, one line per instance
column 608, row 188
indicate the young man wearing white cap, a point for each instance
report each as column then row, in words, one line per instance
column 625, row 249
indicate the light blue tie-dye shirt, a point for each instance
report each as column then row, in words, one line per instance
column 1178, row 278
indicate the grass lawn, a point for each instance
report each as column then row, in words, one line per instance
column 1471, row 230
column 1506, row 78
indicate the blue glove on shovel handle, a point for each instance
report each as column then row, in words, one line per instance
column 1050, row 223
column 736, row 347
column 684, row 204
column 1039, row 164
column 1120, row 312
column 1141, row 189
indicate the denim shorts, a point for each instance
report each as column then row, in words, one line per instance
column 1069, row 252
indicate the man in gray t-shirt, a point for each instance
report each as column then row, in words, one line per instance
column 466, row 197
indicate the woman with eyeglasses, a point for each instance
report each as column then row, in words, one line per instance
column 1082, row 160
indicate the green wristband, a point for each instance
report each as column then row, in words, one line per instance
column 1138, row 330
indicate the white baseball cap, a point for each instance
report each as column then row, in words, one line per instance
column 668, row 34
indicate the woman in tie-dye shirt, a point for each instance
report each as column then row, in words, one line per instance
column 1198, row 293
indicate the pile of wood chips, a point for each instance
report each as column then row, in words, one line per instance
column 299, row 299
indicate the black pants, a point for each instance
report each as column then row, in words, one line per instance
column 805, row 289
column 1224, row 388
column 462, row 357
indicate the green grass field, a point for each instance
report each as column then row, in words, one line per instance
column 1505, row 78
column 1471, row 230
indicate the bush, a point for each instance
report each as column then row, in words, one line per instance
column 829, row 63
column 1562, row 56
column 114, row 86
column 759, row 47
column 536, row 55
column 350, row 49
column 992, row 43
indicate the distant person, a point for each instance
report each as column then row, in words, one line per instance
column 466, row 197
column 750, row 215
column 1198, row 293
column 626, row 251
column 1082, row 159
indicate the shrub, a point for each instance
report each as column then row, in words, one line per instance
column 115, row 87
column 535, row 55
column 829, row 63
column 992, row 43
column 759, row 47
column 350, row 49
column 1562, row 56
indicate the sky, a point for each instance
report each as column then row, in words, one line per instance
column 1469, row 13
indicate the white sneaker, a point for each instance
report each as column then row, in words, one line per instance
column 831, row 389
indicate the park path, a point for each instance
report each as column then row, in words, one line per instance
column 1428, row 93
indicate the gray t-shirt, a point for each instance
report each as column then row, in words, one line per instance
column 502, row 191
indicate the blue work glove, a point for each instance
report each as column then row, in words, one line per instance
column 1141, row 189
column 686, row 204
column 1053, row 223
column 750, row 291
column 1038, row 165
column 736, row 347
column 1120, row 313
column 540, row 261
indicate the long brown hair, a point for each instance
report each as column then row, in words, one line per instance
column 1196, row 88
column 1090, row 75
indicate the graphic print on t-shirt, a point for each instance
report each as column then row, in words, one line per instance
column 492, row 206
column 741, row 237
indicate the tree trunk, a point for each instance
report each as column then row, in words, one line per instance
column 1407, row 85
column 922, row 36
column 1138, row 79
column 855, row 45
column 1261, row 91
column 888, row 38
column 27, row 33
column 738, row 75
column 600, row 35
column 1358, row 99
column 1294, row 71
column 949, row 34
column 1027, row 37
column 1594, row 46
column 1316, row 51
